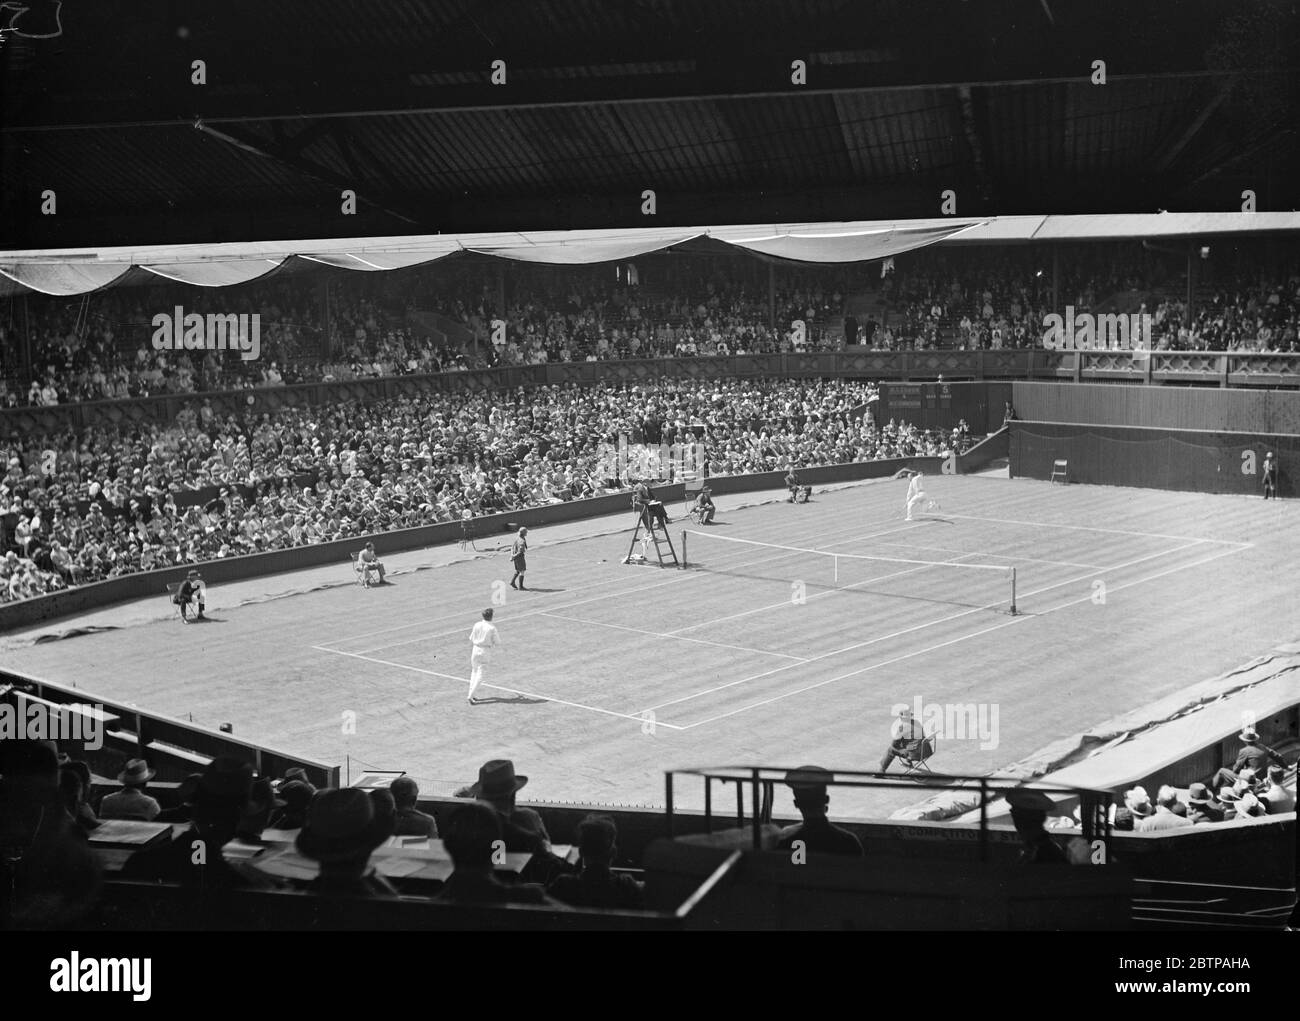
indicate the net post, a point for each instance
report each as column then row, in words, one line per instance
column 683, row 549
column 1014, row 611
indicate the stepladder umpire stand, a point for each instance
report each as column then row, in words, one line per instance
column 652, row 529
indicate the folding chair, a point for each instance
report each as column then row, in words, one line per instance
column 692, row 486
column 915, row 757
column 1060, row 470
column 172, row 589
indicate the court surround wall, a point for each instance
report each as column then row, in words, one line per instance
column 151, row 584
column 1198, row 461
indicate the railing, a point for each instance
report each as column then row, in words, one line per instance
column 120, row 730
column 1224, row 369
column 762, row 780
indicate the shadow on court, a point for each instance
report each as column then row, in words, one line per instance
column 512, row 700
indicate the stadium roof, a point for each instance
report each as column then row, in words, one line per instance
column 693, row 99
column 75, row 272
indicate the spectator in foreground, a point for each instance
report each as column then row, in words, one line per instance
column 597, row 886
column 817, row 833
column 183, row 812
column 85, row 815
column 48, row 876
column 262, row 804
column 131, row 802
column 1164, row 817
column 474, row 835
column 342, row 828
column 1201, row 807
column 1277, row 797
column 1254, row 755
column 194, row 857
column 296, row 796
column 1029, row 811
column 521, row 828
column 411, row 822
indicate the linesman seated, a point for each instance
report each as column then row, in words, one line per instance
column 704, row 506
column 370, row 562
column 799, row 493
column 189, row 597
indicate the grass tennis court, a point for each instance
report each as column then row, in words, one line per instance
column 782, row 656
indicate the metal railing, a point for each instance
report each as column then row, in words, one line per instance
column 762, row 780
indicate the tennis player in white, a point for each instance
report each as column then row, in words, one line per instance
column 483, row 638
column 916, row 495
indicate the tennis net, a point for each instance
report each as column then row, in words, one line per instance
column 953, row 581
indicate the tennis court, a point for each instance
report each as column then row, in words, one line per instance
column 787, row 639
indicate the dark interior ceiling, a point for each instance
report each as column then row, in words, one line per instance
column 604, row 99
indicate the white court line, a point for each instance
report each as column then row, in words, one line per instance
column 954, row 641
column 1001, row 556
column 678, row 577
column 1089, row 528
column 817, row 595
column 921, row 627
column 497, row 687
column 428, row 621
column 660, row 634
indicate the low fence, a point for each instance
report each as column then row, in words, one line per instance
column 1220, row 369
column 1183, row 459
column 119, row 731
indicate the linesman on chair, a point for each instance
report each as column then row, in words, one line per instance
column 704, row 507
column 908, row 740
column 370, row 562
column 799, row 493
column 190, row 597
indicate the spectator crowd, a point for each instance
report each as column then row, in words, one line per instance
column 81, row 507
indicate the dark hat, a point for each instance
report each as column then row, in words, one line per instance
column 1030, row 800
column 193, row 574
column 1198, row 794
column 299, row 774
column 343, row 824
column 137, row 772
column 225, row 780
column 496, row 779
column 295, row 794
column 261, row 790
column 809, row 778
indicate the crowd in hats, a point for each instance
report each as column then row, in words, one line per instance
column 144, row 496
column 1258, row 783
